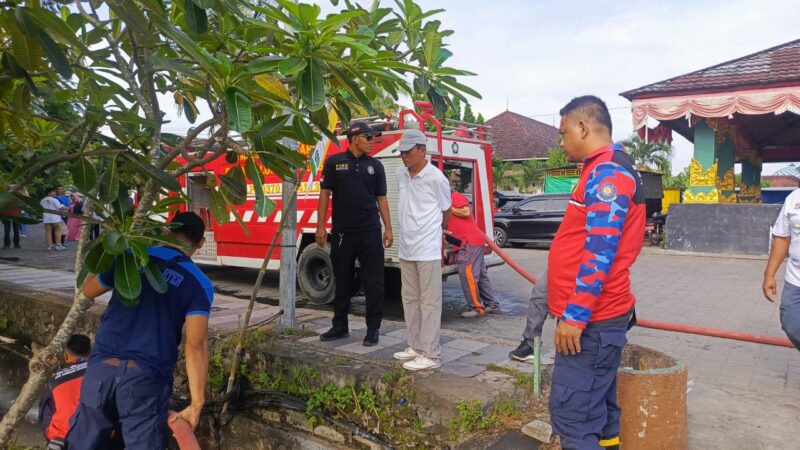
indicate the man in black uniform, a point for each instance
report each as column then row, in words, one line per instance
column 358, row 183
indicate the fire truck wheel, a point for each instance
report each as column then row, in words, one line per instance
column 315, row 274
column 500, row 236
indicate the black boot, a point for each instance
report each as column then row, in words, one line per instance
column 371, row 338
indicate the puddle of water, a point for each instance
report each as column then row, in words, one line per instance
column 13, row 374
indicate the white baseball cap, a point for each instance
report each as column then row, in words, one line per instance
column 410, row 139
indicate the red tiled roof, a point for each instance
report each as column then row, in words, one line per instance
column 776, row 66
column 517, row 137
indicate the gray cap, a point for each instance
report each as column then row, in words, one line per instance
column 410, row 139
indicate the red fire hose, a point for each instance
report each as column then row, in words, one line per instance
column 666, row 326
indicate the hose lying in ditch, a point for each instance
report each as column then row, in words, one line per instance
column 666, row 326
column 242, row 397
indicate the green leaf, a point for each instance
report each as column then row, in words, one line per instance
column 60, row 30
column 83, row 175
column 98, row 260
column 109, row 184
column 236, row 214
column 27, row 51
column 140, row 251
column 205, row 4
column 173, row 66
column 217, row 205
column 312, row 87
column 237, row 104
column 122, row 204
column 163, row 178
column 115, row 243
column 465, row 89
column 292, row 66
column 304, row 131
column 255, row 175
column 28, row 204
column 272, row 126
column 195, row 17
column 127, row 280
column 235, row 184
column 352, row 43
column 395, row 37
column 431, row 46
column 166, row 204
column 155, row 277
column 197, row 53
column 54, row 53
column 189, row 110
column 264, row 206
column 263, row 64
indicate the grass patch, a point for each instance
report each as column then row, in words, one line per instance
column 521, row 379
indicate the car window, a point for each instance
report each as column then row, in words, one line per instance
column 533, row 205
column 558, row 204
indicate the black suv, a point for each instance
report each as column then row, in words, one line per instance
column 534, row 219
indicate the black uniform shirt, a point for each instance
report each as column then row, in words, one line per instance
column 356, row 183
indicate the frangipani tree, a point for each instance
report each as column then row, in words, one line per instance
column 263, row 71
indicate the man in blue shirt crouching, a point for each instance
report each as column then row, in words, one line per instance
column 129, row 377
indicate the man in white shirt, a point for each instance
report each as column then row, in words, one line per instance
column 52, row 222
column 424, row 211
column 786, row 240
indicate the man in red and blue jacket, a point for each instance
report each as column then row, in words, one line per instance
column 589, row 278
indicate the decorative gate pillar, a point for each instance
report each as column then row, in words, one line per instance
column 725, row 140
column 703, row 172
column 750, row 190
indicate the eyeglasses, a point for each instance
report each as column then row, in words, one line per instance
column 367, row 136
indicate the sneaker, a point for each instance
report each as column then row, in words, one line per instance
column 493, row 309
column 49, row 248
column 17, row 246
column 407, row 354
column 470, row 313
column 334, row 333
column 421, row 362
column 59, row 247
column 5, row 247
column 371, row 338
column 522, row 353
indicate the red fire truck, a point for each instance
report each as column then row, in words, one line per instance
column 463, row 151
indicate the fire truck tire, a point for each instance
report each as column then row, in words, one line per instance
column 315, row 274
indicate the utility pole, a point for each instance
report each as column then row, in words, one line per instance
column 288, row 269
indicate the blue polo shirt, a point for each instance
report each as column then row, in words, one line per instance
column 150, row 332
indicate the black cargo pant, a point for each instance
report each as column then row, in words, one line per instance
column 367, row 246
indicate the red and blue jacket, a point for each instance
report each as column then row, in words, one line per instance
column 598, row 241
column 61, row 400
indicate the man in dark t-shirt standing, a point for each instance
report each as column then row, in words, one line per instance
column 358, row 184
column 129, row 377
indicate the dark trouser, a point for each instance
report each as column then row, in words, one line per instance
column 8, row 226
column 128, row 395
column 368, row 248
column 583, row 399
column 94, row 232
column 474, row 280
column 790, row 313
column 537, row 310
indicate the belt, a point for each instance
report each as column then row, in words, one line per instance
column 130, row 364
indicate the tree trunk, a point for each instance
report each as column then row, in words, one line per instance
column 44, row 362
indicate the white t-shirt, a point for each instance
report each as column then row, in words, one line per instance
column 51, row 203
column 788, row 225
column 423, row 200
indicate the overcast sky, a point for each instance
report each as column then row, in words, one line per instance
column 534, row 56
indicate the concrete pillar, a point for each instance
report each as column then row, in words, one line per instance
column 703, row 168
column 750, row 190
